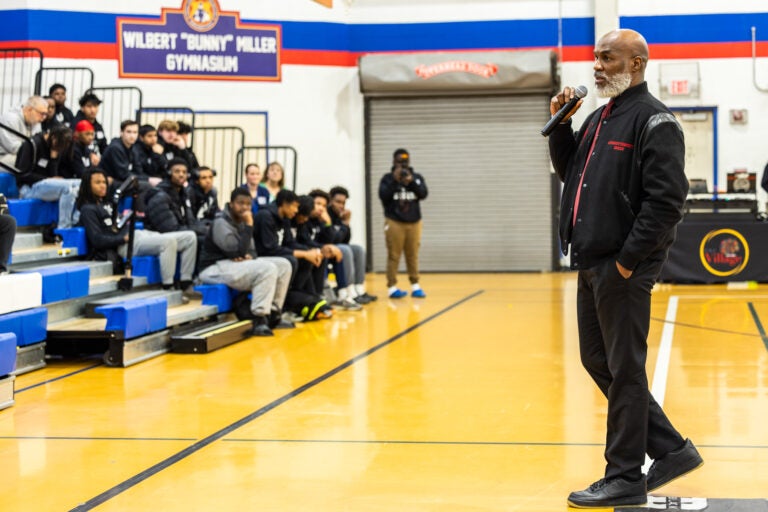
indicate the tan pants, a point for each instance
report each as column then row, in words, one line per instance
column 402, row 236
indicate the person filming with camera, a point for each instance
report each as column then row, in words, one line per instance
column 401, row 190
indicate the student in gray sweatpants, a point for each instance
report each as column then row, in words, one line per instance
column 229, row 257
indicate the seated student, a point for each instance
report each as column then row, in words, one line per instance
column 108, row 243
column 203, row 197
column 184, row 141
column 25, row 120
column 175, row 146
column 273, row 237
column 82, row 157
column 259, row 194
column 62, row 114
column 229, row 257
column 118, row 159
column 89, row 109
column 343, row 264
column 168, row 209
column 150, row 154
column 39, row 160
column 7, row 236
column 49, row 121
column 354, row 255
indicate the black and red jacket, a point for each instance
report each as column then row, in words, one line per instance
column 634, row 190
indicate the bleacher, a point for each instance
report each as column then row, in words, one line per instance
column 55, row 303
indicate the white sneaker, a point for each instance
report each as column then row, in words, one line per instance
column 348, row 305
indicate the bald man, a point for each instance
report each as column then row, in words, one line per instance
column 26, row 120
column 624, row 191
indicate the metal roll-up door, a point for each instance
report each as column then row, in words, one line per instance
column 488, row 173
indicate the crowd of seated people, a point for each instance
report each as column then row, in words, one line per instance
column 248, row 244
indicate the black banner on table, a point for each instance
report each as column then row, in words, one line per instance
column 718, row 249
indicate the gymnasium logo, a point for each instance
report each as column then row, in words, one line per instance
column 724, row 252
column 201, row 15
column 456, row 66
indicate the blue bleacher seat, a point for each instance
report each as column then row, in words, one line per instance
column 34, row 212
column 7, row 353
column 74, row 237
column 8, row 185
column 219, row 295
column 28, row 325
column 136, row 317
column 147, row 266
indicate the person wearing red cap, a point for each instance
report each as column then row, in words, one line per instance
column 83, row 157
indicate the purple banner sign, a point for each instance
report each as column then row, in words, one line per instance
column 198, row 41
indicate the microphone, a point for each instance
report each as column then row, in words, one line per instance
column 578, row 93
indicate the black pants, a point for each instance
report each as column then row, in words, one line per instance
column 614, row 316
column 7, row 235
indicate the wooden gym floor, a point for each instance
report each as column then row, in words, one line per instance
column 470, row 400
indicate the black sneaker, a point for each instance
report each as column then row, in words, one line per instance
column 370, row 298
column 674, row 465
column 615, row 492
column 261, row 330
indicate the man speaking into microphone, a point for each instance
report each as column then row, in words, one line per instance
column 624, row 191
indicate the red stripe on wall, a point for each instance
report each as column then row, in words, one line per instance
column 62, row 50
column 109, row 51
column 706, row 50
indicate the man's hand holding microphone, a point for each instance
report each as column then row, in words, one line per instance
column 563, row 106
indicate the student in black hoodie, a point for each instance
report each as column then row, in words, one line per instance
column 203, row 197
column 118, row 159
column 401, row 190
column 82, row 157
column 62, row 114
column 89, row 109
column 39, row 160
column 150, row 154
column 107, row 242
column 167, row 211
column 273, row 237
column 229, row 257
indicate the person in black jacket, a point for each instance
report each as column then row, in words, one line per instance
column 401, row 190
column 150, row 154
column 107, row 241
column 273, row 237
column 82, row 156
column 89, row 109
column 229, row 257
column 354, row 254
column 624, row 192
column 203, row 197
column 62, row 115
column 39, row 160
column 119, row 160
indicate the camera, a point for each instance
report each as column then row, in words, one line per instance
column 3, row 205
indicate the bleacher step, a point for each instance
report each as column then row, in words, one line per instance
column 27, row 241
column 42, row 253
column 97, row 268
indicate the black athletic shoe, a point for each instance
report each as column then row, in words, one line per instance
column 610, row 493
column 261, row 330
column 674, row 465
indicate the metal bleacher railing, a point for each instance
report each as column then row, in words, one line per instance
column 18, row 68
column 76, row 81
column 117, row 105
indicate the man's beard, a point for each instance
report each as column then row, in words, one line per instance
column 614, row 85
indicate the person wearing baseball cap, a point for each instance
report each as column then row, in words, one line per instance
column 83, row 157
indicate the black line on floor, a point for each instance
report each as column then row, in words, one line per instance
column 81, row 370
column 177, row 457
column 465, row 443
column 758, row 323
